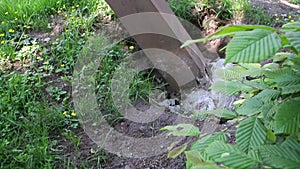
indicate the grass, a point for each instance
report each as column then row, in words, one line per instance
column 30, row 116
column 22, row 15
column 224, row 11
column 140, row 87
column 228, row 10
column 38, row 125
column 295, row 1
column 33, row 109
column 30, row 14
column 183, row 9
column 254, row 15
column 25, row 122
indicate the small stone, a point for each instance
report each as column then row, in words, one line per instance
column 46, row 39
column 174, row 109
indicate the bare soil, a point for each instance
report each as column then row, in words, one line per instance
column 280, row 7
column 111, row 161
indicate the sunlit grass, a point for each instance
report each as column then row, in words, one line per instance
column 295, row 1
column 28, row 113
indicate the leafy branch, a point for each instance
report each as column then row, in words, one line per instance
column 268, row 134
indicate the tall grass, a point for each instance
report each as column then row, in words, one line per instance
column 28, row 117
column 25, row 122
column 30, row 12
column 295, row 1
column 37, row 12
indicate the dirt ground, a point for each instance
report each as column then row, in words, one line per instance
column 112, row 161
column 279, row 7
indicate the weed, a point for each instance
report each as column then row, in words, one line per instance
column 24, row 115
column 104, row 78
column 295, row 1
column 141, row 86
column 255, row 15
column 222, row 9
column 58, row 94
column 266, row 113
column 183, row 9
column 69, row 134
column 28, row 120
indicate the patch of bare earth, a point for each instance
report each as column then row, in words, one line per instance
column 280, row 7
column 67, row 151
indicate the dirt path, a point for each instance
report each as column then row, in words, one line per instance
column 279, row 7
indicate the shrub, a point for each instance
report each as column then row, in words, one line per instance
column 268, row 113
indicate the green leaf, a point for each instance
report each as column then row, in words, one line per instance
column 253, row 70
column 271, row 136
column 177, row 151
column 201, row 144
column 268, row 95
column 230, row 87
column 238, row 28
column 273, row 74
column 252, row 47
column 233, row 73
column 206, row 165
column 285, row 42
column 182, row 130
column 255, row 154
column 194, row 161
column 190, row 42
column 251, row 66
column 291, row 26
column 268, row 111
column 287, row 79
column 292, row 143
column 229, row 30
column 291, row 89
column 281, row 56
column 294, row 38
column 287, row 119
column 193, row 157
column 257, row 84
column 280, row 157
column 204, row 142
column 222, row 113
column 230, row 155
column 250, row 133
column 250, row 106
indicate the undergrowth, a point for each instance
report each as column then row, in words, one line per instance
column 140, row 86
column 267, row 112
column 40, row 42
column 25, row 122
